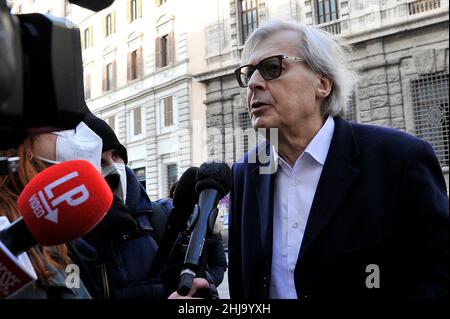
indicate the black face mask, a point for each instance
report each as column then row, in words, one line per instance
column 113, row 181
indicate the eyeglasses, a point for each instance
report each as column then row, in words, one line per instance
column 269, row 68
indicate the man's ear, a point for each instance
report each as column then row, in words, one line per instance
column 325, row 86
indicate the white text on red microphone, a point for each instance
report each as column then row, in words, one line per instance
column 41, row 206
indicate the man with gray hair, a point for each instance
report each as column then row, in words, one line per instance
column 351, row 210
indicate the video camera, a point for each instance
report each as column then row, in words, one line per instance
column 41, row 73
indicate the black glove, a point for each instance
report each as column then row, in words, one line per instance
column 117, row 223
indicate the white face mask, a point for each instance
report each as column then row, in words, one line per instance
column 118, row 168
column 123, row 178
column 78, row 144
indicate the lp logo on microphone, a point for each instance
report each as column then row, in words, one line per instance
column 43, row 208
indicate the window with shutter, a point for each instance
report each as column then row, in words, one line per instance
column 86, row 38
column 133, row 65
column 158, row 52
column 168, row 111
column 137, row 121
column 164, row 50
column 108, row 25
column 134, row 10
column 114, row 72
column 109, row 76
column 170, row 48
column 139, row 63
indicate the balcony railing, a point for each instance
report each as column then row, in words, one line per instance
column 421, row 6
column 334, row 27
column 384, row 16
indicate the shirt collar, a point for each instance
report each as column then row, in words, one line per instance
column 318, row 147
column 320, row 144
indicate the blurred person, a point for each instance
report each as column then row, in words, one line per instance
column 216, row 262
column 351, row 210
column 35, row 154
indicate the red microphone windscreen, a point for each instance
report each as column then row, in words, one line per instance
column 64, row 202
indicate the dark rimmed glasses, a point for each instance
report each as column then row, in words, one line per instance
column 269, row 68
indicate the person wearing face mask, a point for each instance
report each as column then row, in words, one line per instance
column 118, row 253
column 36, row 153
column 79, row 143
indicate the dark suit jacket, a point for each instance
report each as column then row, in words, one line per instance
column 381, row 199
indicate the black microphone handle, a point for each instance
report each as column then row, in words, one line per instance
column 193, row 261
column 207, row 204
column 204, row 293
column 17, row 237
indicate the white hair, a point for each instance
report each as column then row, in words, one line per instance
column 324, row 54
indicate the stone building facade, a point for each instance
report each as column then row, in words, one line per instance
column 401, row 50
column 138, row 60
column 161, row 94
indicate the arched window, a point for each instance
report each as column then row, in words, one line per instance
column 164, row 42
column 134, row 57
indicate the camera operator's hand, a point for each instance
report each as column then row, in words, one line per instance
column 197, row 285
column 116, row 223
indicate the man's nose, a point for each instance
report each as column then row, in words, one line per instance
column 256, row 81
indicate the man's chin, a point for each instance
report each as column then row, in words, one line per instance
column 260, row 123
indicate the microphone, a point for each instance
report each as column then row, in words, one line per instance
column 61, row 203
column 94, row 5
column 184, row 200
column 213, row 183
